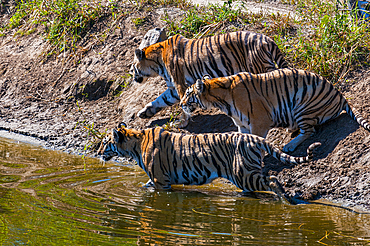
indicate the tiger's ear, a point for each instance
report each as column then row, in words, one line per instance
column 118, row 136
column 206, row 77
column 163, row 35
column 199, row 85
column 122, row 125
column 140, row 54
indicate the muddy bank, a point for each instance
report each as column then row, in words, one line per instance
column 62, row 102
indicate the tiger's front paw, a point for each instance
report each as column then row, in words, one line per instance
column 149, row 184
column 179, row 123
column 147, row 112
column 182, row 122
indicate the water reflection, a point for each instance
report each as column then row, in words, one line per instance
column 49, row 197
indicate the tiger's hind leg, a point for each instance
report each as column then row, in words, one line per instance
column 256, row 181
column 276, row 187
column 247, row 170
column 305, row 132
column 269, row 183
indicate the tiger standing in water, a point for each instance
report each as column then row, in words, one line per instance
column 181, row 61
column 195, row 159
column 288, row 98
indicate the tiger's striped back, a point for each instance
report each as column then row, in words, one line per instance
column 174, row 158
column 289, row 98
column 230, row 53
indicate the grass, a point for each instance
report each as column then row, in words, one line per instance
column 214, row 19
column 338, row 43
column 93, row 135
column 323, row 39
column 139, row 21
column 64, row 22
column 148, row 5
column 204, row 20
column 124, row 82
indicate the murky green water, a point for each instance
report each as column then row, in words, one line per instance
column 52, row 198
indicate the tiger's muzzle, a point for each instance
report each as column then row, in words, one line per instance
column 106, row 153
column 188, row 109
column 106, row 158
column 139, row 79
column 135, row 74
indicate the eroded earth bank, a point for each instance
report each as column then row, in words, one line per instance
column 63, row 99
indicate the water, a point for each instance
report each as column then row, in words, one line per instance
column 52, row 198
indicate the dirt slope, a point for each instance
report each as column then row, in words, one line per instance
column 58, row 100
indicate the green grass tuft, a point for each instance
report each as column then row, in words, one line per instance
column 64, row 22
column 321, row 38
column 329, row 41
column 202, row 21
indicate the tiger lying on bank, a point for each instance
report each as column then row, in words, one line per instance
column 181, row 61
column 195, row 159
column 290, row 98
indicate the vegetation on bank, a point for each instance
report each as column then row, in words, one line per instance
column 322, row 37
column 337, row 43
column 64, row 23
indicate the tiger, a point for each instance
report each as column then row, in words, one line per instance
column 181, row 61
column 194, row 159
column 285, row 98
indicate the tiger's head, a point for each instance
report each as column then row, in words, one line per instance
column 121, row 142
column 192, row 97
column 147, row 63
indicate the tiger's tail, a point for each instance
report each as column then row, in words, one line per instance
column 356, row 116
column 288, row 159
